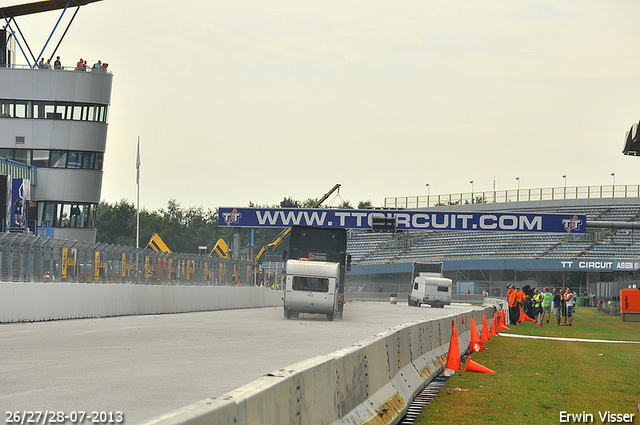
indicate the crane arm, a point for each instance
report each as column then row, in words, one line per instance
column 281, row 237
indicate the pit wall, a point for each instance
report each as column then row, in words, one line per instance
column 371, row 382
column 28, row 302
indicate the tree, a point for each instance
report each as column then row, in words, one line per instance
column 116, row 224
column 186, row 230
column 364, row 204
column 346, row 205
column 289, row 203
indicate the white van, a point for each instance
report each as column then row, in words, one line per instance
column 435, row 291
column 311, row 287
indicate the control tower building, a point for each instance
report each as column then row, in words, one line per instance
column 53, row 133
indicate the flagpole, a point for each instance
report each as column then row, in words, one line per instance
column 138, row 213
column 138, row 196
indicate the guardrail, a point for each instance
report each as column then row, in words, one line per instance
column 372, row 381
column 514, row 195
column 29, row 302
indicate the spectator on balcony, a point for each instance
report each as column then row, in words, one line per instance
column 48, row 64
column 41, row 63
column 57, row 64
column 97, row 67
column 80, row 65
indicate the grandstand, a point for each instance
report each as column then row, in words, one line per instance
column 488, row 259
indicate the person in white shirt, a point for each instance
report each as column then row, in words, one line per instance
column 570, row 298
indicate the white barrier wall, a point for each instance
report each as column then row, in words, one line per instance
column 371, row 382
column 26, row 302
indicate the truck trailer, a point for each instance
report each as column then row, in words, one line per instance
column 309, row 248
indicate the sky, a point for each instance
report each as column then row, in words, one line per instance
column 255, row 101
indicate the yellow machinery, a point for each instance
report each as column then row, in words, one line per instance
column 278, row 240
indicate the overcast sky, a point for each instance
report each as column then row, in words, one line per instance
column 254, row 101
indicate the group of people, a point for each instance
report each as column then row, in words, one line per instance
column 80, row 66
column 97, row 67
column 47, row 65
column 538, row 305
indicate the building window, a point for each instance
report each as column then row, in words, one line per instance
column 23, row 109
column 40, row 159
column 58, row 159
column 74, row 159
column 68, row 214
column 6, row 153
column 6, row 109
column 87, row 160
column 98, row 160
column 39, row 109
column 22, row 155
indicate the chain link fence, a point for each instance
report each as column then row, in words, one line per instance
column 43, row 259
column 611, row 290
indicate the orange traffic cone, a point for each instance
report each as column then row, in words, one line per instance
column 485, row 330
column 476, row 367
column 502, row 327
column 453, row 359
column 475, row 344
column 494, row 325
column 503, row 322
column 524, row 317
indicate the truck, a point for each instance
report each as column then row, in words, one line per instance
column 429, row 286
column 316, row 252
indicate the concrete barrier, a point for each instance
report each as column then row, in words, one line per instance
column 26, row 302
column 371, row 382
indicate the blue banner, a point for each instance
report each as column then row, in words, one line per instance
column 20, row 194
column 405, row 219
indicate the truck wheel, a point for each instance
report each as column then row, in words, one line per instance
column 330, row 317
column 417, row 304
column 410, row 303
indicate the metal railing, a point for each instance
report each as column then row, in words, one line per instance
column 89, row 68
column 42, row 259
column 515, row 195
column 18, row 170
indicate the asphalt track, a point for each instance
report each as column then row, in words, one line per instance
column 145, row 366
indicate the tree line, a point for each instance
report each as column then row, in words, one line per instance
column 183, row 229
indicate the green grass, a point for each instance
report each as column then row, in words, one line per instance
column 537, row 379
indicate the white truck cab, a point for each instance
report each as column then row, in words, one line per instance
column 311, row 287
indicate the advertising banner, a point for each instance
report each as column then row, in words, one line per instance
column 20, row 194
column 405, row 219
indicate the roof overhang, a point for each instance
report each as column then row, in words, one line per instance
column 40, row 6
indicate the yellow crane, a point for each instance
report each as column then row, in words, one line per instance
column 278, row 240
